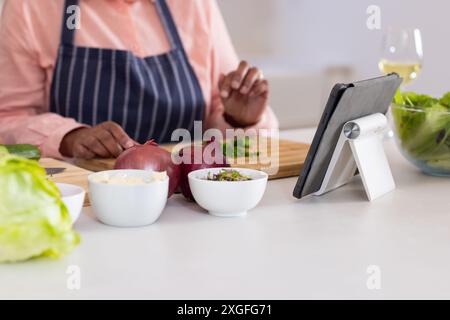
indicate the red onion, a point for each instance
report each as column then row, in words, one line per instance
column 150, row 156
column 196, row 157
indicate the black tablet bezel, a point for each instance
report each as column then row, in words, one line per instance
column 333, row 100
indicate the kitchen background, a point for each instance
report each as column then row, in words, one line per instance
column 304, row 46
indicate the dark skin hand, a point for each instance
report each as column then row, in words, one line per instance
column 106, row 140
column 244, row 94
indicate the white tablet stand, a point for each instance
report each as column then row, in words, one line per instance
column 360, row 147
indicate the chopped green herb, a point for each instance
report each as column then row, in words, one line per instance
column 238, row 148
column 227, row 175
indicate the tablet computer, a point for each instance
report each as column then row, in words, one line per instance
column 346, row 102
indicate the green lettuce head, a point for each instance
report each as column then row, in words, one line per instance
column 34, row 222
column 423, row 126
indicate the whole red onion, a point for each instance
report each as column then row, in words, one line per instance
column 196, row 157
column 150, row 156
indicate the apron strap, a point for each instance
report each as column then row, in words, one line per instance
column 67, row 34
column 169, row 25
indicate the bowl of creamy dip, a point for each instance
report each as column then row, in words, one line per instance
column 128, row 198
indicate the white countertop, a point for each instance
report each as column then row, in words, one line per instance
column 318, row 247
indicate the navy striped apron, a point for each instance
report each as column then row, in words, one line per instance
column 149, row 97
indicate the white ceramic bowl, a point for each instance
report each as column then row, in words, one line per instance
column 73, row 198
column 227, row 198
column 122, row 205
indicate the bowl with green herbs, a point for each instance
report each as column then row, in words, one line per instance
column 421, row 125
column 227, row 192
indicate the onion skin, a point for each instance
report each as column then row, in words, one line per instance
column 150, row 156
column 189, row 153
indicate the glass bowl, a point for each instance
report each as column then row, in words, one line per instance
column 423, row 136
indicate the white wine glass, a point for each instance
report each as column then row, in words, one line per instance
column 402, row 53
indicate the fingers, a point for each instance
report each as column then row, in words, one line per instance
column 80, row 151
column 243, row 80
column 225, row 86
column 105, row 140
column 118, row 134
column 260, row 88
column 252, row 76
column 94, row 145
column 110, row 144
column 240, row 75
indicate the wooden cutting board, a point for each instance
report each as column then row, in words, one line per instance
column 72, row 175
column 291, row 157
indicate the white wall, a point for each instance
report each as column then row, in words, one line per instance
column 305, row 36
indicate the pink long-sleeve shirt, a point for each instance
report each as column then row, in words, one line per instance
column 30, row 37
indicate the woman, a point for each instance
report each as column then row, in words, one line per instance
column 132, row 71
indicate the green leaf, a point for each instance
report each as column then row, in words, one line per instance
column 418, row 100
column 34, row 221
column 445, row 100
column 398, row 98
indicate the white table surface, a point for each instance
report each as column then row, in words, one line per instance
column 319, row 247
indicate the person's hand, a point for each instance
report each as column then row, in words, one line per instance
column 105, row 140
column 244, row 94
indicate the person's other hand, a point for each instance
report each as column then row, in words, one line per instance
column 244, row 94
column 105, row 140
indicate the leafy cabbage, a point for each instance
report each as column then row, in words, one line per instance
column 34, row 222
column 423, row 127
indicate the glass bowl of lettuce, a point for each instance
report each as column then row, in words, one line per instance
column 421, row 125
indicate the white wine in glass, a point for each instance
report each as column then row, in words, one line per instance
column 402, row 53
